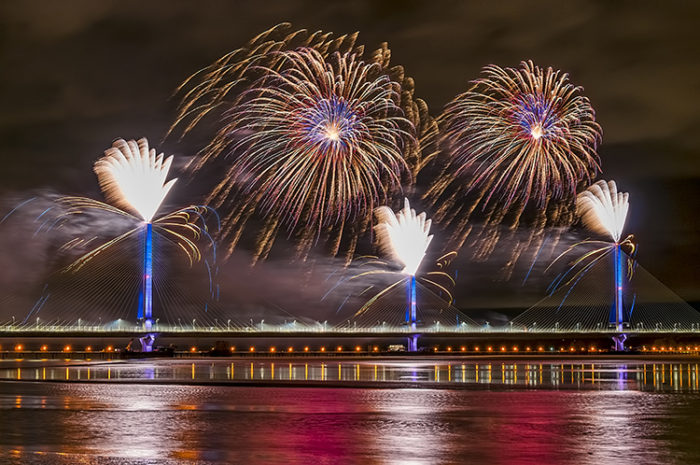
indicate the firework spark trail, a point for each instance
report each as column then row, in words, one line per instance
column 318, row 134
column 519, row 140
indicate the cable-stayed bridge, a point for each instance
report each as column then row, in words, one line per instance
column 584, row 309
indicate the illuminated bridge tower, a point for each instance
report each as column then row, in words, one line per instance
column 604, row 210
column 618, row 317
column 133, row 179
column 411, row 315
column 145, row 311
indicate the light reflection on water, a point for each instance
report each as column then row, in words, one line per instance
column 69, row 423
column 609, row 375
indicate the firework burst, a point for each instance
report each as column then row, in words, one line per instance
column 403, row 239
column 133, row 178
column 603, row 210
column 316, row 133
column 518, row 138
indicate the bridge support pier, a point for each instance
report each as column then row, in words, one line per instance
column 146, row 305
column 413, row 343
column 147, row 342
column 619, row 342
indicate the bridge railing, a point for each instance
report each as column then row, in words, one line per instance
column 325, row 328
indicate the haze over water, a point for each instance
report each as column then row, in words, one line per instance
column 516, row 412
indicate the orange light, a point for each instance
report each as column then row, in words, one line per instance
column 376, row 349
column 463, row 349
column 233, row 348
column 323, row 349
column 193, row 349
column 19, row 347
column 44, row 348
column 435, row 349
column 653, row 348
column 540, row 349
column 252, row 349
column 515, row 348
column 339, row 349
column 358, row 348
column 572, row 349
column 110, row 348
column 527, row 348
column 449, row 349
column 490, row 349
column 503, row 348
column 290, row 349
column 272, row 349
column 66, row 349
column 476, row 348
column 88, row 349
column 306, row 349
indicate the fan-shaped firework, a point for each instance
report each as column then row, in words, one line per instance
column 604, row 210
column 403, row 237
column 518, row 138
column 133, row 177
column 317, row 134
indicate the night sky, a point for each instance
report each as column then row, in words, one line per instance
column 75, row 75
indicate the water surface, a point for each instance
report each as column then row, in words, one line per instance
column 563, row 413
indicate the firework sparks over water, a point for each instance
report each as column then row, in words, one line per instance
column 519, row 140
column 315, row 134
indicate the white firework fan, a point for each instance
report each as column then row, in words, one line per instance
column 603, row 209
column 132, row 177
column 403, row 237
